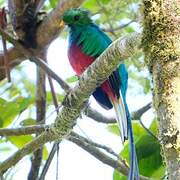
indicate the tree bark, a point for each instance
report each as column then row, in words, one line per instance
column 46, row 32
column 162, row 51
column 37, row 156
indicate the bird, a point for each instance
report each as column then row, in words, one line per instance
column 87, row 42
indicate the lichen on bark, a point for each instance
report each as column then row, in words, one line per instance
column 161, row 43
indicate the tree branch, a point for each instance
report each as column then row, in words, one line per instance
column 49, row 160
column 99, row 117
column 88, row 141
column 46, row 33
column 28, row 148
column 56, row 144
column 16, row 8
column 51, row 30
column 120, row 165
column 136, row 115
column 119, row 27
column 75, row 100
column 51, row 73
column 14, row 57
column 23, row 130
column 40, row 118
column 83, row 143
column 29, row 54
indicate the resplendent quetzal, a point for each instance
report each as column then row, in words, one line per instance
column 86, row 43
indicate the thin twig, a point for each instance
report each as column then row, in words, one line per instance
column 99, row 117
column 119, row 165
column 56, row 144
column 6, row 65
column 48, row 161
column 51, row 73
column 118, row 28
column 88, row 141
column 148, row 130
column 53, row 93
column 36, row 158
column 136, row 115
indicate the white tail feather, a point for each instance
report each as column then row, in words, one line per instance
column 121, row 117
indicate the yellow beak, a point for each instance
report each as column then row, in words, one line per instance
column 61, row 24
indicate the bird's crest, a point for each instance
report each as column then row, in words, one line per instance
column 77, row 16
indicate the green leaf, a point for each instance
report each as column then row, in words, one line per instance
column 105, row 1
column 129, row 29
column 28, row 122
column 145, row 82
column 114, row 129
column 45, row 153
column 53, row 3
column 72, row 79
column 118, row 176
column 10, row 109
column 154, row 126
column 149, row 158
column 24, row 103
column 91, row 5
column 60, row 97
column 20, row 141
column 1, row 2
column 148, row 153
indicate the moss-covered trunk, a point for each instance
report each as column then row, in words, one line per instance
column 161, row 44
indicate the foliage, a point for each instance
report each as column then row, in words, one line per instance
column 148, row 151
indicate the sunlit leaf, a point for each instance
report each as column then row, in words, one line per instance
column 105, row 1
column 28, row 122
column 60, row 97
column 148, row 153
column 53, row 3
column 45, row 153
column 91, row 5
column 114, row 129
column 118, row 176
column 10, row 109
column 24, row 102
column 72, row 79
column 20, row 141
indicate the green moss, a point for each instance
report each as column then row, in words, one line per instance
column 158, row 27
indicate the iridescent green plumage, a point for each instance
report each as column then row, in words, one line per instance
column 85, row 32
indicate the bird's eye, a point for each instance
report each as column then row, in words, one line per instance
column 76, row 18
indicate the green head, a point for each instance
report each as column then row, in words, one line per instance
column 77, row 16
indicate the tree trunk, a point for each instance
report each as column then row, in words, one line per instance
column 161, row 44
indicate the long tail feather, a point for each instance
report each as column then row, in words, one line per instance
column 134, row 170
column 124, row 121
column 121, row 118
